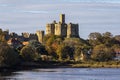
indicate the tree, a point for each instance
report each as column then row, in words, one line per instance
column 95, row 38
column 95, row 35
column 82, row 52
column 65, row 52
column 52, row 42
column 108, row 39
column 38, row 47
column 8, row 56
column 117, row 39
column 107, row 35
column 77, row 53
column 102, row 53
column 2, row 36
column 27, row 53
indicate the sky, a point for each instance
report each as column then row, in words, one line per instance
column 32, row 15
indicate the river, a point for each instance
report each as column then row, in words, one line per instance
column 64, row 74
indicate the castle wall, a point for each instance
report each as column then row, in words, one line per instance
column 40, row 35
column 58, row 29
column 33, row 37
column 50, row 28
column 72, row 30
column 63, row 29
column 62, row 18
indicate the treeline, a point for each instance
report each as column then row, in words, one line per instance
column 99, row 47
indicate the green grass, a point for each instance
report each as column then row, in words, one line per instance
column 93, row 64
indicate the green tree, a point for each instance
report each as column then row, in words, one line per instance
column 38, row 47
column 8, row 56
column 102, row 53
column 77, row 53
column 117, row 39
column 28, row 53
column 65, row 52
column 107, row 35
column 95, row 38
column 108, row 39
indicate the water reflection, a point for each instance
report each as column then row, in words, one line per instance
column 63, row 74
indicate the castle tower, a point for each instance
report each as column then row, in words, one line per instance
column 72, row 30
column 50, row 28
column 62, row 18
column 40, row 35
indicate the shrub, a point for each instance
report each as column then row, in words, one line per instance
column 27, row 53
column 8, row 56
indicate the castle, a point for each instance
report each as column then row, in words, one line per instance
column 62, row 29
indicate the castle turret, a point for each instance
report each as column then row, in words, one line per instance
column 62, row 18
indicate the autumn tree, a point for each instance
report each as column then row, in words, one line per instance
column 52, row 42
column 102, row 53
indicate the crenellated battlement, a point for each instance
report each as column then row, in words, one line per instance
column 63, row 29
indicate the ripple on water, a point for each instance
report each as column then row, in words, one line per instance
column 65, row 74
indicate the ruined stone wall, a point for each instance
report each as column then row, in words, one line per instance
column 62, row 18
column 50, row 28
column 69, row 31
column 58, row 29
column 33, row 37
column 72, row 30
column 63, row 29
column 40, row 35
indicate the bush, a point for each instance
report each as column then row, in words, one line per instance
column 8, row 57
column 27, row 53
column 65, row 52
column 102, row 53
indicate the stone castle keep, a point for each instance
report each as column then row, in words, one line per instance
column 62, row 29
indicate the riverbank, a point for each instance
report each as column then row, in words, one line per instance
column 91, row 64
column 58, row 64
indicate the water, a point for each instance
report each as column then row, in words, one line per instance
column 64, row 74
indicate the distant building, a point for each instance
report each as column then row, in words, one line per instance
column 40, row 35
column 33, row 37
column 117, row 52
column 62, row 29
column 14, row 42
column 25, row 35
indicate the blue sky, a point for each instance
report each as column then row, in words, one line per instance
column 32, row 15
